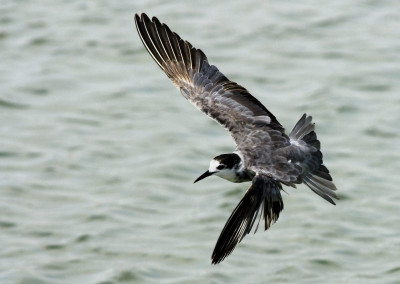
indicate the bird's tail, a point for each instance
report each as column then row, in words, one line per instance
column 315, row 175
column 264, row 193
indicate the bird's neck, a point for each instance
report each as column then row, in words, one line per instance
column 236, row 175
column 244, row 175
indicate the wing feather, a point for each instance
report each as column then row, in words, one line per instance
column 201, row 83
column 255, row 130
column 264, row 194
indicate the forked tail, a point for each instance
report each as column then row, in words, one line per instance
column 264, row 193
column 315, row 175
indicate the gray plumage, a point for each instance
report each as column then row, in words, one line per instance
column 266, row 152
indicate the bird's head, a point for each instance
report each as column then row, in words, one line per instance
column 225, row 166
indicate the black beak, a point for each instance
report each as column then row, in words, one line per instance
column 206, row 174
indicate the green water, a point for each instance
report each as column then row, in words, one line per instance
column 98, row 151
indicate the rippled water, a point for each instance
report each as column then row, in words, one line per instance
column 98, row 151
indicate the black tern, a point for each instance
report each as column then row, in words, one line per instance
column 264, row 154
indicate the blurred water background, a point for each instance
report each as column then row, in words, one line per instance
column 98, row 150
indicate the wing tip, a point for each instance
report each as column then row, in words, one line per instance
column 264, row 194
column 143, row 18
column 139, row 16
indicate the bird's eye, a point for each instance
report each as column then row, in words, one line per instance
column 220, row 167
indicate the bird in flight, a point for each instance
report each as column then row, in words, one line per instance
column 264, row 153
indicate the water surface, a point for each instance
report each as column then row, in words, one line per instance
column 98, row 151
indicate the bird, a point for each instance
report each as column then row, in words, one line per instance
column 264, row 154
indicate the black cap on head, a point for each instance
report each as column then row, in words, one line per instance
column 229, row 160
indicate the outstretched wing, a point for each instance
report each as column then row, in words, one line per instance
column 264, row 194
column 203, row 84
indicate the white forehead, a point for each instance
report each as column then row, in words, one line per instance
column 213, row 165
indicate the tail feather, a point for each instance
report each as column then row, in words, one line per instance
column 264, row 192
column 315, row 175
column 322, row 172
column 322, row 187
column 302, row 127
